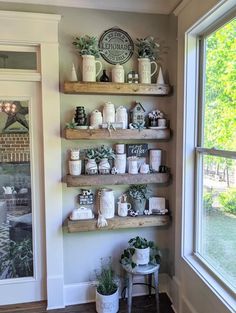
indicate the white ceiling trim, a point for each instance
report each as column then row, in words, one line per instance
column 139, row 6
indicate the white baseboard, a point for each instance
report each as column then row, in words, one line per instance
column 55, row 292
column 85, row 292
column 187, row 306
column 174, row 293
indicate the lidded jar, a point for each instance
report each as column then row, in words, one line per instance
column 118, row 74
column 96, row 118
column 122, row 116
column 108, row 113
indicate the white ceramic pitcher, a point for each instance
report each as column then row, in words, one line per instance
column 89, row 72
column 144, row 70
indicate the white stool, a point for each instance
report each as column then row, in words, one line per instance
column 149, row 270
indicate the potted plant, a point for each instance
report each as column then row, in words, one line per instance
column 104, row 154
column 91, row 155
column 140, row 252
column 139, row 195
column 148, row 51
column 88, row 49
column 107, row 291
column 154, row 116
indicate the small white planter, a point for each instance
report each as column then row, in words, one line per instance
column 107, row 304
column 141, row 256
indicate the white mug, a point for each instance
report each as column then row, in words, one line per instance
column 144, row 168
column 75, row 167
column 123, row 208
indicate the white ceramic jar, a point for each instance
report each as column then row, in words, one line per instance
column 118, row 74
column 155, row 159
column 108, row 113
column 95, row 119
column 106, row 202
column 120, row 163
column 122, row 116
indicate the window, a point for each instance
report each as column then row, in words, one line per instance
column 215, row 236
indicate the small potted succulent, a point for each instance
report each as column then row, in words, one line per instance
column 88, row 49
column 104, row 154
column 140, row 252
column 91, row 155
column 107, row 296
column 138, row 195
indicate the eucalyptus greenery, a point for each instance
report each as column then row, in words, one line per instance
column 105, row 152
column 107, row 282
column 91, row 153
column 87, row 45
column 140, row 243
column 138, row 192
column 147, row 48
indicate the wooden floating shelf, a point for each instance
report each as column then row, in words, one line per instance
column 117, row 223
column 118, row 134
column 117, row 179
column 113, row 88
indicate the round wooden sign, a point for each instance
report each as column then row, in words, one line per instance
column 116, row 46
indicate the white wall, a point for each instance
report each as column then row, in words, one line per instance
column 82, row 251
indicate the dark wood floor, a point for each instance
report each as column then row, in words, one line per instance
column 142, row 304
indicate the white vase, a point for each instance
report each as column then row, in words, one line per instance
column 107, row 303
column 144, row 70
column 91, row 167
column 89, row 72
column 106, row 202
column 104, row 166
column 141, row 256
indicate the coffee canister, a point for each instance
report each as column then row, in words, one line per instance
column 118, row 74
column 155, row 159
column 108, row 113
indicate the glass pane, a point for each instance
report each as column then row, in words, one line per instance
column 218, row 219
column 220, row 88
column 16, row 253
column 18, row 60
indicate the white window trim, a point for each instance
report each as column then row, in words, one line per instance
column 189, row 144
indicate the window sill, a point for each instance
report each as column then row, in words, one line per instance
column 224, row 294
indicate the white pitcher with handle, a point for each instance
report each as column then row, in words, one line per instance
column 89, row 72
column 144, row 70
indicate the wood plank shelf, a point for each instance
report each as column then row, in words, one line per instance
column 118, row 179
column 117, row 223
column 113, row 88
column 118, row 134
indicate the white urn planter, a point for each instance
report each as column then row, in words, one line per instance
column 107, row 303
column 144, row 70
column 141, row 256
column 91, row 167
column 89, row 72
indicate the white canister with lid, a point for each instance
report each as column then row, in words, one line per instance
column 122, row 116
column 118, row 74
column 108, row 113
column 96, row 119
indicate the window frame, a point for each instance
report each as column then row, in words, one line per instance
column 192, row 151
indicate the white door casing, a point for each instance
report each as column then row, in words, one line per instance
column 41, row 30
